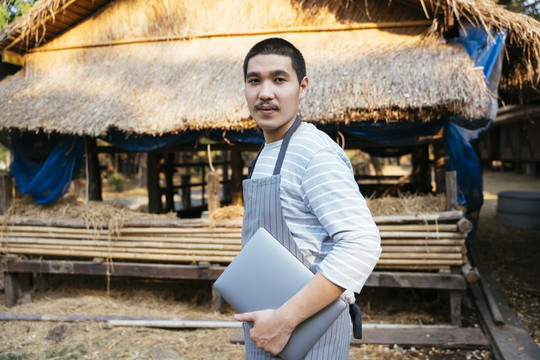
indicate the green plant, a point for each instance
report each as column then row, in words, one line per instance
column 117, row 181
column 11, row 9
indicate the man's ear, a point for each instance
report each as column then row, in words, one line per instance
column 304, row 87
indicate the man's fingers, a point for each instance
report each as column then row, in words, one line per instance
column 244, row 317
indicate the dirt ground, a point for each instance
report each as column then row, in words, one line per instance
column 510, row 254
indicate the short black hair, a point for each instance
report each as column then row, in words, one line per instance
column 278, row 46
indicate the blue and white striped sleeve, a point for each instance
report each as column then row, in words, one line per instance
column 332, row 194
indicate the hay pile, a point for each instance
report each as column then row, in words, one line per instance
column 97, row 215
column 404, row 204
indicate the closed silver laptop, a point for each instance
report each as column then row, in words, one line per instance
column 264, row 275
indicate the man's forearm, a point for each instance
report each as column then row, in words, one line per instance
column 312, row 298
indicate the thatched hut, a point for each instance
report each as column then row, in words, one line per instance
column 388, row 77
column 155, row 68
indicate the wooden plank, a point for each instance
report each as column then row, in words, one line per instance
column 115, row 320
column 510, row 340
column 411, row 335
column 122, row 255
column 417, row 280
column 154, row 271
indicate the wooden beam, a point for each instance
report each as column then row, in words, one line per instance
column 411, row 335
column 153, row 271
column 12, row 57
column 417, row 280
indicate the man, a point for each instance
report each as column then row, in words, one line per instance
column 302, row 190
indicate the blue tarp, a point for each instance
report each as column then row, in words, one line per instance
column 49, row 180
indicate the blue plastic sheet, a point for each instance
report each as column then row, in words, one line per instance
column 49, row 180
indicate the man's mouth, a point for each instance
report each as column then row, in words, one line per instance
column 265, row 107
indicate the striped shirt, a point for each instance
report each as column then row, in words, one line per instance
column 323, row 207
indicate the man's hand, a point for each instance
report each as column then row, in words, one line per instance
column 271, row 330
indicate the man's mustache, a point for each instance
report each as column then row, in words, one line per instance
column 266, row 105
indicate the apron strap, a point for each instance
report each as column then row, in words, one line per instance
column 285, row 144
column 282, row 150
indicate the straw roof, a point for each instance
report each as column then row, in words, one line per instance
column 144, row 84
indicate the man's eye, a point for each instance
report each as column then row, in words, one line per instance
column 253, row 81
column 279, row 80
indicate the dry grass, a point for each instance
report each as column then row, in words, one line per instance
column 388, row 205
column 96, row 214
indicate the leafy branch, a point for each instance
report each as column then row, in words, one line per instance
column 11, row 9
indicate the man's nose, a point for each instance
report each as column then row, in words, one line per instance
column 266, row 91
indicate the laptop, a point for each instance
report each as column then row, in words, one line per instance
column 264, row 275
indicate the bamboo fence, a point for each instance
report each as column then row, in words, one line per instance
column 432, row 241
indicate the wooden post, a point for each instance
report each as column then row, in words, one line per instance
column 213, row 191
column 439, row 164
column 455, row 301
column 11, row 286
column 186, row 191
column 237, row 167
column 421, row 176
column 94, row 171
column 217, row 301
column 225, row 176
column 6, row 192
column 154, row 191
column 169, row 172
column 451, row 190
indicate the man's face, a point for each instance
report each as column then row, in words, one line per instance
column 273, row 94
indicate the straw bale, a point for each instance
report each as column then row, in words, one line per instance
column 96, row 214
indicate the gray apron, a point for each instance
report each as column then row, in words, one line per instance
column 262, row 208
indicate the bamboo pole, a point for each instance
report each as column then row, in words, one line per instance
column 419, row 227
column 118, row 249
column 234, row 238
column 419, row 242
column 423, row 249
column 419, row 262
column 419, row 234
column 421, row 218
column 420, row 256
column 110, row 254
column 229, row 234
column 131, row 244
column 126, row 230
column 223, row 230
column 134, row 246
